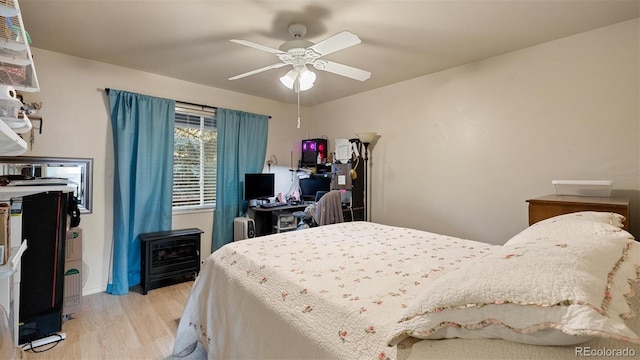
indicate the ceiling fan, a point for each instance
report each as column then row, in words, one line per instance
column 299, row 53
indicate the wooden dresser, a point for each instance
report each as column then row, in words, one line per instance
column 548, row 206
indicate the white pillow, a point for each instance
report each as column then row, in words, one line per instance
column 574, row 228
column 610, row 218
column 553, row 291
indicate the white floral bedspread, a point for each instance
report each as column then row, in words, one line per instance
column 337, row 290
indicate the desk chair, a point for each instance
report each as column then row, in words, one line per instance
column 329, row 209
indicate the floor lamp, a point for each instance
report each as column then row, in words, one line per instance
column 366, row 138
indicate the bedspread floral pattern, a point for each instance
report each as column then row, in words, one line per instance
column 335, row 279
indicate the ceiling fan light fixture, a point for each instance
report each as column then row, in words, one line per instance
column 299, row 79
column 289, row 79
column 300, row 52
column 306, row 78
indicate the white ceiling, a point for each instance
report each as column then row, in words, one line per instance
column 189, row 40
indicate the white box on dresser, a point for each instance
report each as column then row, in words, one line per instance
column 591, row 188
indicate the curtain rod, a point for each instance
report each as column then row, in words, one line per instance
column 186, row 103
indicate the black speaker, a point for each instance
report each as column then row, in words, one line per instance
column 74, row 212
column 311, row 149
column 251, row 230
column 44, row 221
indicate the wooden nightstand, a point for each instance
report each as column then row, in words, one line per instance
column 548, row 206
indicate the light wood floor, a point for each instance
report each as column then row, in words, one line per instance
column 131, row 326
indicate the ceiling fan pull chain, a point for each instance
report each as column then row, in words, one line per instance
column 298, row 109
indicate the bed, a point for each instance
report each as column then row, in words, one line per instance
column 563, row 287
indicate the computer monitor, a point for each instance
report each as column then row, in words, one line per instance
column 259, row 186
column 311, row 185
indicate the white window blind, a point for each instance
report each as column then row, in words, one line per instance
column 194, row 160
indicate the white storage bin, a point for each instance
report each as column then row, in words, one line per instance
column 10, row 108
column 594, row 188
column 16, row 61
column 10, row 143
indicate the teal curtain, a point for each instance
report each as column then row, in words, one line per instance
column 143, row 129
column 242, row 146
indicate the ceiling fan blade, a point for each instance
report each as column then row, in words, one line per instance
column 337, row 42
column 257, row 46
column 274, row 66
column 340, row 69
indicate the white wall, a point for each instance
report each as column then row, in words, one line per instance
column 461, row 150
column 76, row 124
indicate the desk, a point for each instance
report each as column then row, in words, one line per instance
column 264, row 216
column 265, row 222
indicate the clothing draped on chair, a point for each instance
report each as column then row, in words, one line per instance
column 329, row 209
column 242, row 146
column 143, row 128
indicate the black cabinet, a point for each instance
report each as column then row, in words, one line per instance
column 357, row 184
column 342, row 179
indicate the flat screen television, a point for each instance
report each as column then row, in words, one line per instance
column 259, row 186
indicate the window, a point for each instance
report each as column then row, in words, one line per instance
column 194, row 160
